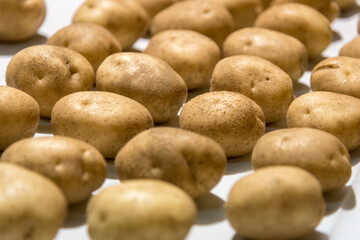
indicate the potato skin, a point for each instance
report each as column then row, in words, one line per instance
column 285, row 51
column 290, row 206
column 260, row 80
column 92, row 41
column 209, row 18
column 126, row 211
column 338, row 74
column 20, row 20
column 192, row 55
column 105, row 120
column 334, row 113
column 345, row 4
column 32, row 207
column 351, row 49
column 152, row 7
column 319, row 4
column 146, row 79
column 299, row 21
column 75, row 166
column 19, row 116
column 316, row 151
column 233, row 120
column 126, row 19
column 193, row 162
column 47, row 81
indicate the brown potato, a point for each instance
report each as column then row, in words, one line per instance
column 92, row 41
column 286, row 52
column 332, row 11
column 146, row 79
column 209, row 18
column 318, row 152
column 351, row 49
column 299, row 21
column 19, row 116
column 141, row 210
column 75, row 166
column 334, row 113
column 233, row 120
column 105, row 120
column 31, row 206
column 275, row 203
column 126, row 19
column 265, row 83
column 266, row 3
column 345, row 4
column 193, row 162
column 20, row 20
column 47, row 73
column 192, row 55
column 338, row 74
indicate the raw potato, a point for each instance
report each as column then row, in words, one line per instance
column 47, row 73
column 332, row 11
column 31, row 206
column 146, row 79
column 75, row 166
column 334, row 113
column 209, row 18
column 286, row 52
column 318, row 152
column 193, row 162
column 265, row 83
column 141, row 210
column 345, row 4
column 192, row 55
column 299, row 21
column 233, row 120
column 266, row 3
column 126, row 19
column 337, row 74
column 92, row 41
column 105, row 120
column 244, row 12
column 275, row 203
column 19, row 116
column 351, row 49
column 20, row 20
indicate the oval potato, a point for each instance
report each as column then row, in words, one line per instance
column 338, row 74
column 320, row 153
column 290, row 206
column 286, row 52
column 19, row 116
column 233, row 120
column 126, row 211
column 105, row 120
column 47, row 73
column 75, row 166
column 334, row 113
column 265, row 83
column 351, row 49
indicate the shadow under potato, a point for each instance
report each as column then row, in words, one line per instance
column 344, row 198
column 211, row 209
column 76, row 214
column 44, row 126
column 9, row 49
column 350, row 11
column 315, row 235
column 237, row 165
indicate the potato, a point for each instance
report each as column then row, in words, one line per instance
column 209, row 18
column 92, row 41
column 275, row 203
column 105, row 120
column 266, row 3
column 337, row 74
column 126, row 19
column 351, row 49
column 141, row 210
column 192, row 55
column 193, row 162
column 318, row 152
column 345, row 4
column 233, row 120
column 334, row 113
column 332, row 11
column 286, row 52
column 19, row 116
column 244, row 12
column 47, row 73
column 299, row 21
column 146, row 79
column 265, row 83
column 75, row 166
column 31, row 206
column 20, row 20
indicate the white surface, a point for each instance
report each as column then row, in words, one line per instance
column 340, row 222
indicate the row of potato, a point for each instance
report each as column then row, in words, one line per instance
column 115, row 125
